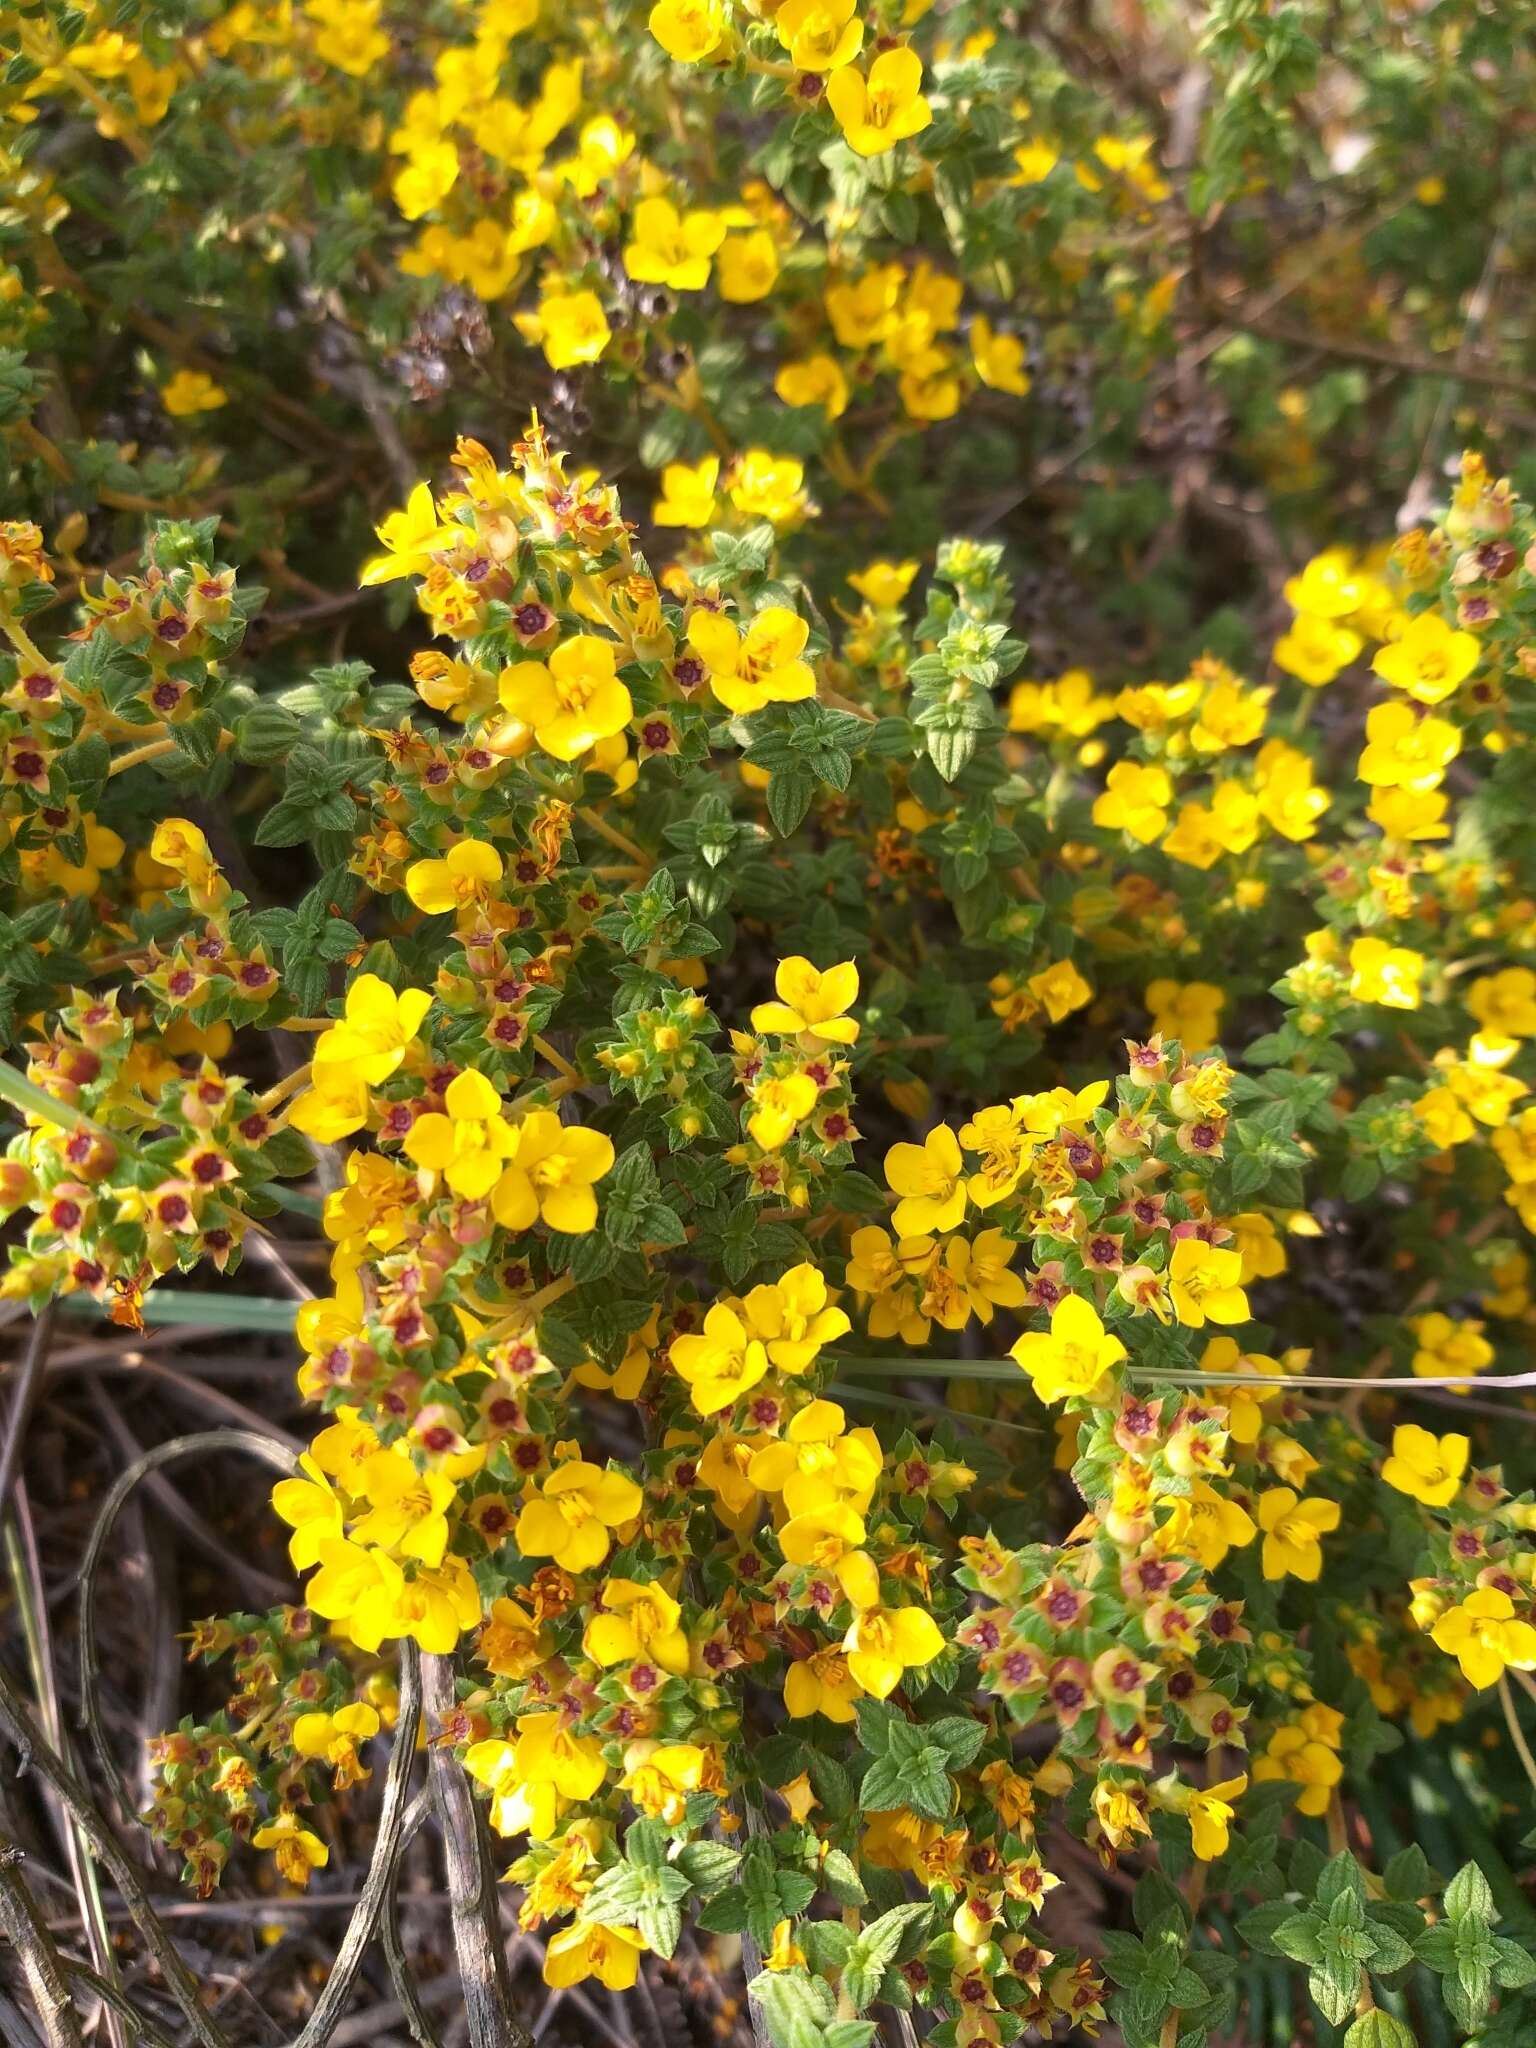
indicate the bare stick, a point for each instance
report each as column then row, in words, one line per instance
column 476, row 1915
column 38, row 1957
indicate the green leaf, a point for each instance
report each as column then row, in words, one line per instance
column 796, row 2008
column 1468, row 1896
column 1380, row 2030
column 707, row 1865
column 878, row 1946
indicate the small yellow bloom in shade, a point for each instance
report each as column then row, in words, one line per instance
column 1204, row 1284
column 817, row 380
column 1448, row 1347
column 572, row 328
column 688, row 30
column 1189, row 1011
column 1035, row 160
column 1070, row 1360
column 770, row 487
column 822, row 1684
column 1410, row 813
column 610, row 1954
column 784, row 1953
column 637, row 1621
column 1135, row 801
column 552, row 1176
column 748, row 268
column 820, row 35
column 569, row 1519
column 779, row 1104
column 295, row 1850
column 876, row 114
column 930, row 1178
column 1210, row 1816
column 1385, row 974
column 1427, row 1467
column 883, row 1642
column 999, row 358
column 192, row 391
column 687, row 493
column 461, row 880
column 1505, row 1003
column 572, row 701
column 1405, row 751
column 1060, row 989
column 812, row 1002
column 1307, row 1761
column 1484, row 1637
column 885, row 584
column 1429, row 660
column 671, row 248
column 1293, row 1533
column 762, row 666
column 1316, row 649
column 428, row 175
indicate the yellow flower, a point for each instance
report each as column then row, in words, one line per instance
column 1404, row 751
column 570, row 1516
column 1410, row 813
column 1448, row 1348
column 671, row 248
column 610, row 1954
column 820, row 35
column 1210, row 1813
column 572, row 328
column 637, row 1622
column 532, row 1779
column 883, row 1642
column 792, row 1317
column 770, row 487
column 817, row 380
column 428, row 175
column 815, row 1461
column 689, row 30
column 1329, row 587
column 333, row 1739
column 407, row 1509
column 1293, row 1533
column 762, row 666
column 572, row 701
column 1316, row 649
column 1070, row 1360
column 1188, row 1011
column 410, row 538
column 1204, row 1283
column 1505, row 1003
column 999, row 358
column 749, row 264
column 885, row 584
column 460, row 881
column 469, row 1141
column 822, row 1684
column 1060, row 989
column 876, row 115
column 720, row 1362
column 334, row 1104
column 813, row 1002
column 1305, row 1760
column 552, row 1176
column 659, row 1776
column 1425, row 1466
column 1135, row 801
column 687, row 493
column 294, row 1849
column 1385, row 974
column 779, row 1104
column 376, row 1027
column 1429, row 660
column 192, row 391
column 1204, row 1524
column 1484, row 1638
column 930, row 1178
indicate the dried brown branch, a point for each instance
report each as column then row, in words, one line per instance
column 35, row 1952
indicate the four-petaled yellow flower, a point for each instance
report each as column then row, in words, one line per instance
column 813, row 1003
column 573, row 700
column 1485, row 1638
column 877, row 113
column 460, row 881
column 1429, row 659
column 468, row 1141
column 1293, row 1533
column 552, row 1176
column 1070, row 1360
column 883, row 1642
column 1426, row 1466
column 1205, row 1284
column 572, row 1514
column 930, row 1178
column 758, row 667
